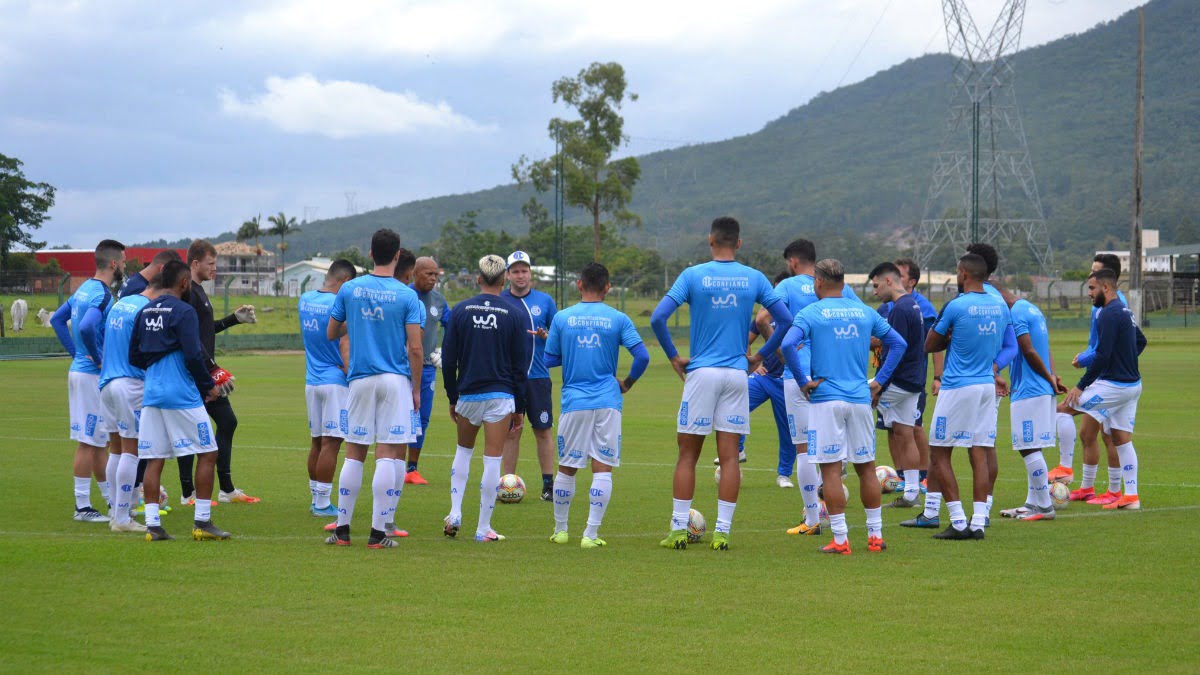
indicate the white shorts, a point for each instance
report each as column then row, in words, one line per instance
column 589, row 434
column 1034, row 423
column 1114, row 407
column 965, row 417
column 839, row 431
column 715, row 399
column 167, row 434
column 490, row 410
column 897, row 406
column 381, row 410
column 122, row 399
column 797, row 411
column 89, row 424
column 328, row 414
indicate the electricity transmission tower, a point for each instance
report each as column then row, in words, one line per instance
column 983, row 186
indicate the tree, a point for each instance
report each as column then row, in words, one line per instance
column 592, row 180
column 282, row 226
column 252, row 230
column 23, row 207
column 354, row 257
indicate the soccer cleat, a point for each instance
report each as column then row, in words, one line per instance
column 560, row 537
column 127, row 526
column 547, row 494
column 415, row 478
column 923, row 522
column 1018, row 512
column 900, row 503
column 876, row 544
column 187, row 500
column 592, row 543
column 340, row 536
column 393, row 531
column 380, row 540
column 720, row 541
column 977, row 534
column 1037, row 513
column 1128, row 502
column 1061, row 474
column 204, row 530
column 835, row 548
column 327, row 512
column 450, row 526
column 676, row 539
column 808, row 530
column 952, row 534
column 330, row 527
column 90, row 515
column 1104, row 499
column 156, row 533
column 236, row 497
column 784, row 482
column 491, row 536
column 1082, row 494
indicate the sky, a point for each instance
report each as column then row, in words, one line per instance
column 185, row 118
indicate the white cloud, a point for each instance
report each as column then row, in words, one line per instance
column 343, row 109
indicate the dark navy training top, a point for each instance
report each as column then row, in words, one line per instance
column 1119, row 343
column 905, row 318
column 486, row 349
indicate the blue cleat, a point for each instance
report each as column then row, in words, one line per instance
column 327, row 512
column 923, row 522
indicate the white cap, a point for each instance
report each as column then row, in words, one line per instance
column 519, row 256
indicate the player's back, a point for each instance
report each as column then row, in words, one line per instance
column 486, row 336
column 1028, row 320
column 720, row 295
column 976, row 322
column 839, row 331
column 118, row 331
column 588, row 336
column 91, row 293
column 161, row 328
column 322, row 357
column 376, row 310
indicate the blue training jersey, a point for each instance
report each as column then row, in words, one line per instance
column 905, row 318
column 721, row 296
column 91, row 293
column 541, row 309
column 134, row 284
column 166, row 342
column 118, row 330
column 588, row 337
column 976, row 322
column 376, row 310
column 1087, row 355
column 771, row 363
column 1027, row 319
column 839, row 331
column 322, row 358
column 799, row 292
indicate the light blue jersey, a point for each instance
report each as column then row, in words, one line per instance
column 978, row 321
column 1028, row 320
column 721, row 296
column 799, row 292
column 118, row 329
column 588, row 337
column 839, row 331
column 376, row 310
column 541, row 309
column 92, row 293
column 322, row 358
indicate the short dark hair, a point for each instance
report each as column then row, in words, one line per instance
column 199, row 249
column 780, row 277
column 405, row 262
column 165, row 256
column 830, row 269
column 1110, row 262
column 342, row 270
column 385, row 244
column 107, row 251
column 974, row 265
column 988, row 252
column 914, row 270
column 594, row 277
column 802, row 250
column 172, row 272
column 883, row 269
column 726, row 231
column 1104, row 275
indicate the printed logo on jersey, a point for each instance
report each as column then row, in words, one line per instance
column 591, row 341
column 487, row 322
column 153, row 323
column 985, row 310
column 433, row 311
column 116, row 322
column 312, row 324
column 372, row 313
column 988, row 328
column 725, row 301
column 849, row 332
column 535, row 310
column 203, row 433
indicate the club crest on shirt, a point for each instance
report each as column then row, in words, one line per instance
column 535, row 310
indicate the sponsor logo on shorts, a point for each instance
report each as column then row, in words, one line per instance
column 360, row 431
column 575, row 454
column 487, row 322
column 144, row 445
column 122, row 426
column 833, row 449
column 414, row 421
column 75, row 427
column 396, row 429
column 939, row 428
column 702, row 422
column 736, row 420
column 1093, row 402
column 181, row 443
column 792, row 425
column 562, row 445
column 606, row 451
column 203, row 433
column 812, row 441
column 683, row 414
column 544, row 417
column 1026, row 431
column 962, row 436
column 331, row 426
column 862, row 451
column 1046, row 436
column 89, row 425
column 344, row 421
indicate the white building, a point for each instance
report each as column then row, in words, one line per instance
column 1150, row 263
column 252, row 269
column 306, row 275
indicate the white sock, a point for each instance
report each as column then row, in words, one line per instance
column 809, row 477
column 312, row 489
column 152, row 517
column 680, row 513
column 1130, row 469
column 487, row 494
column 1066, row 439
column 1039, row 489
column 321, row 494
column 979, row 517
column 108, row 488
column 933, row 504
column 875, row 522
column 989, row 503
column 958, row 519
column 598, row 498
column 460, row 470
column 725, row 515
column 349, row 483
column 837, row 523
column 126, row 475
column 1089, row 475
column 1114, row 477
column 401, row 469
column 912, row 484
column 203, row 509
column 564, row 492
column 383, row 488
column 83, row 493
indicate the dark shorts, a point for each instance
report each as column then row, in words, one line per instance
column 539, row 408
column 920, row 418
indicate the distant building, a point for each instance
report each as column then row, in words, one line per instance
column 80, row 263
column 306, row 275
column 251, row 267
column 1150, row 263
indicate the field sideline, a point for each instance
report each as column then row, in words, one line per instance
column 1093, row 590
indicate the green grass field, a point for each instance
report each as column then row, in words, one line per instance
column 1096, row 591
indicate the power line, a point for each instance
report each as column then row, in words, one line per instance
column 864, row 44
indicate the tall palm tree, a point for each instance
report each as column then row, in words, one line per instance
column 282, row 226
column 251, row 230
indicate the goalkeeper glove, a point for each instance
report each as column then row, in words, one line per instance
column 245, row 314
column 435, row 358
column 222, row 380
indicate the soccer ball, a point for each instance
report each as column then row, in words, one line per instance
column 511, row 489
column 696, row 526
column 889, row 480
column 821, row 492
column 717, row 475
column 1060, row 494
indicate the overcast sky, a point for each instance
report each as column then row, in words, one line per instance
column 171, row 119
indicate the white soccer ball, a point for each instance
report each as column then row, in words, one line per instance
column 889, row 480
column 1060, row 494
column 511, row 489
column 696, row 526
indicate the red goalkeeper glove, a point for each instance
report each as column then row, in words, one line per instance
column 222, row 380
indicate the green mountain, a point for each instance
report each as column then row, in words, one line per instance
column 859, row 159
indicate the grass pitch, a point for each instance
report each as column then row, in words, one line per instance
column 1090, row 591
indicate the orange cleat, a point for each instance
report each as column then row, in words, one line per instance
column 1082, row 494
column 875, row 544
column 1130, row 502
column 1061, row 474
column 236, row 497
column 415, row 478
column 1105, row 499
column 836, row 548
column 805, row 529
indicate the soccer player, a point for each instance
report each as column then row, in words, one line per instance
column 898, row 402
column 437, row 316
column 174, row 424
column 971, row 327
column 383, row 319
column 1108, row 392
column 541, row 309
column 485, row 356
column 840, row 427
column 202, row 261
column 721, row 296
column 585, row 339
column 138, row 282
column 405, row 265
column 326, row 392
column 1034, row 388
column 79, row 325
column 910, row 277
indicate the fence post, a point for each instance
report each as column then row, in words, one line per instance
column 226, row 293
column 304, row 285
column 65, row 280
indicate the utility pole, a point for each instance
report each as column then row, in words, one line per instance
column 1135, row 247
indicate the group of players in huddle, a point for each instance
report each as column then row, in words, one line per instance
column 366, row 337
